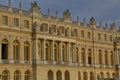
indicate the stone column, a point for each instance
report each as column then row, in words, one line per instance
column 94, row 56
column 60, row 52
column 35, row 50
column 74, row 52
column 54, row 77
column 81, row 76
column 88, row 76
column 44, row 50
column 79, row 54
column 63, row 76
column 109, row 61
column 10, row 50
column 22, row 76
column 30, row 51
column 68, row 53
column 103, row 58
column 86, row 56
column 52, row 51
column 21, row 53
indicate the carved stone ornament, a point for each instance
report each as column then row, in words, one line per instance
column 35, row 26
column 66, row 14
column 51, row 30
column 35, row 7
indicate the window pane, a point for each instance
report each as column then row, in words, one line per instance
column 4, row 20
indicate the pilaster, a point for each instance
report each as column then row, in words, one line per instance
column 68, row 53
column 10, row 53
column 52, row 52
column 22, row 51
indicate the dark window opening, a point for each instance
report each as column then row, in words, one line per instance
column 4, row 51
column 89, row 60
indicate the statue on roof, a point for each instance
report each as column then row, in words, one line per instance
column 35, row 7
column 92, row 21
column 113, row 26
column 66, row 14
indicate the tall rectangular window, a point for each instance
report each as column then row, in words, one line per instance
column 105, row 37
column 4, row 20
column 16, row 22
column 26, row 24
column 82, row 34
column 99, row 36
column 110, row 38
column 89, row 35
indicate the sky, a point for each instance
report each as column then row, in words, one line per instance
column 102, row 10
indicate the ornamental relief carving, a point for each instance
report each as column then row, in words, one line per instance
column 67, row 31
column 52, row 29
column 60, row 30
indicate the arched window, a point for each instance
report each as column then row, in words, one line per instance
column 16, row 50
column 106, row 58
column 100, row 56
column 113, row 75
column 111, row 58
column 56, row 52
column 108, row 75
column 26, row 51
column 40, row 50
column 5, row 75
column 102, row 75
column 89, row 35
column 83, row 55
column 89, row 57
column 47, row 52
column 59, row 75
column 82, row 34
column 67, row 75
column 91, row 76
column 50, row 75
column 27, row 75
column 71, row 51
column 85, row 76
column 4, row 49
column 17, row 75
column 64, row 53
column 99, row 36
column 77, row 55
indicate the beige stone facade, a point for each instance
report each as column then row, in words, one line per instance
column 34, row 46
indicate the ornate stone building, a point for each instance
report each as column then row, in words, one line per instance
column 35, row 46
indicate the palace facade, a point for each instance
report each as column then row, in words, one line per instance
column 35, row 46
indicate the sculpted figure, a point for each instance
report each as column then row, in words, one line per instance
column 113, row 25
column 67, row 31
column 66, row 14
column 34, row 25
column 92, row 21
column 35, row 7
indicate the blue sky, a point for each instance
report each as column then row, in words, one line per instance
column 101, row 10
